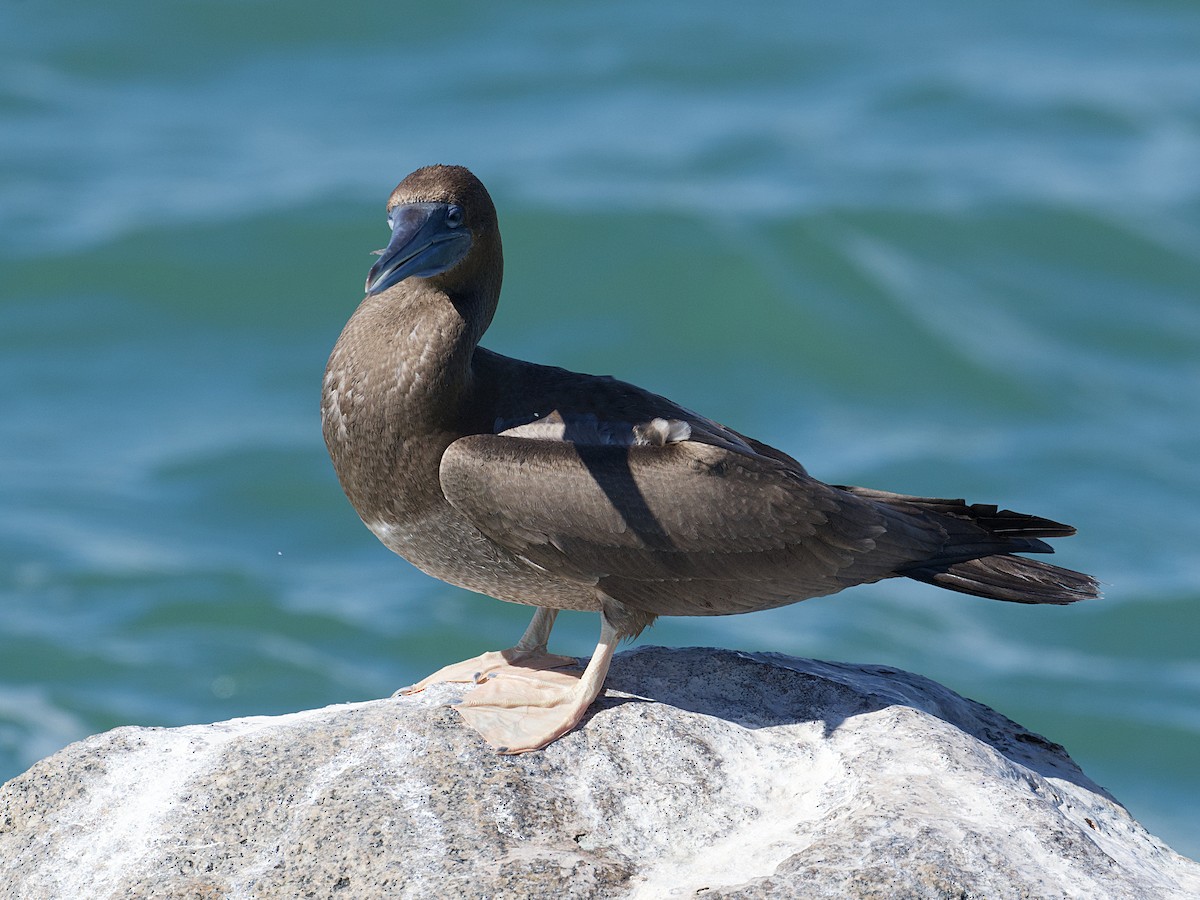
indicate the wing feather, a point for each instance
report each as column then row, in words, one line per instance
column 682, row 528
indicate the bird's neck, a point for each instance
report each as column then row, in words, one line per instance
column 395, row 392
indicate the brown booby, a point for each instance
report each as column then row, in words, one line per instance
column 560, row 490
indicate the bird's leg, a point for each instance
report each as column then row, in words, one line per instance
column 522, row 709
column 528, row 654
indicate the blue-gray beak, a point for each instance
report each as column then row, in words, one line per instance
column 427, row 239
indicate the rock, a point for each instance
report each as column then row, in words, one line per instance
column 701, row 773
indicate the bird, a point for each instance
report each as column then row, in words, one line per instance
column 564, row 491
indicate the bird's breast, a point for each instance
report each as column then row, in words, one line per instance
column 383, row 432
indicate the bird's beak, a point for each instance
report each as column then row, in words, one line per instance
column 422, row 244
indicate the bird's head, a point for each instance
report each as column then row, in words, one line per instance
column 444, row 227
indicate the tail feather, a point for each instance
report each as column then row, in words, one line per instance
column 976, row 555
column 999, row 522
column 1015, row 579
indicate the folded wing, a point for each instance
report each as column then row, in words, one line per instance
column 683, row 527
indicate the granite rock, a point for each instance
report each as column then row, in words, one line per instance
column 700, row 773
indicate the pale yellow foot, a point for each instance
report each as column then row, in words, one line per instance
column 522, row 709
column 529, row 653
column 480, row 668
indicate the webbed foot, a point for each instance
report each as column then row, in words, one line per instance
column 524, row 699
column 524, row 709
column 480, row 669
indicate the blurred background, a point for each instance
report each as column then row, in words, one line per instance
column 935, row 248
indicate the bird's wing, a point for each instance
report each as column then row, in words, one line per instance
column 671, row 525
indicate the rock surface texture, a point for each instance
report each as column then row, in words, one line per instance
column 700, row 773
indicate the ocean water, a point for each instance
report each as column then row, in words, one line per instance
column 933, row 248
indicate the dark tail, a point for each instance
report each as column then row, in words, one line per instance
column 977, row 556
column 1002, row 576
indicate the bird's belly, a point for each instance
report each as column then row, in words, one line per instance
column 455, row 552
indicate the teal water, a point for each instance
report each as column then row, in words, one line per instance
column 932, row 248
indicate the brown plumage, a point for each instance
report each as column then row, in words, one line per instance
column 566, row 491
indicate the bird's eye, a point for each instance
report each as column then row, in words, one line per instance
column 454, row 216
column 391, row 221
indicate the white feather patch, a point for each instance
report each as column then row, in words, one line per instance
column 589, row 430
